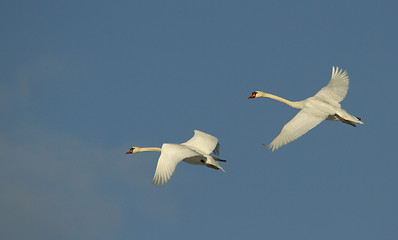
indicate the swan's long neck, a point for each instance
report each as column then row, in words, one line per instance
column 149, row 149
column 297, row 105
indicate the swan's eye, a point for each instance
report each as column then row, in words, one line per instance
column 254, row 93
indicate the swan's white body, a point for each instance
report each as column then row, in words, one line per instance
column 196, row 151
column 325, row 105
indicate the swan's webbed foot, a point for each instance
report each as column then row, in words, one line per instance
column 212, row 166
column 344, row 120
column 349, row 123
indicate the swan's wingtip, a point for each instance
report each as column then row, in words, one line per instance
column 158, row 182
column 269, row 146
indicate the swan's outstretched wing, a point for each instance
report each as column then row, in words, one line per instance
column 337, row 88
column 203, row 142
column 170, row 156
column 304, row 121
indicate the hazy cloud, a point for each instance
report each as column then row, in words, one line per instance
column 56, row 186
column 50, row 187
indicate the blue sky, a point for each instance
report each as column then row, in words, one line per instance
column 83, row 81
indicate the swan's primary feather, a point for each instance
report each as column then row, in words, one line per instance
column 203, row 143
column 337, row 88
column 170, row 156
column 304, row 121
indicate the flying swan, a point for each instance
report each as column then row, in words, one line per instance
column 195, row 151
column 323, row 106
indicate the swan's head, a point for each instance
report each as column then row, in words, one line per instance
column 133, row 150
column 258, row 94
column 254, row 94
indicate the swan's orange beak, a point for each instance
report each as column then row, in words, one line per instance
column 130, row 151
column 252, row 96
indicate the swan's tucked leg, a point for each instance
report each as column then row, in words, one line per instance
column 220, row 160
column 344, row 120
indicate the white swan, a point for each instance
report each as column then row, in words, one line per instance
column 323, row 106
column 195, row 151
